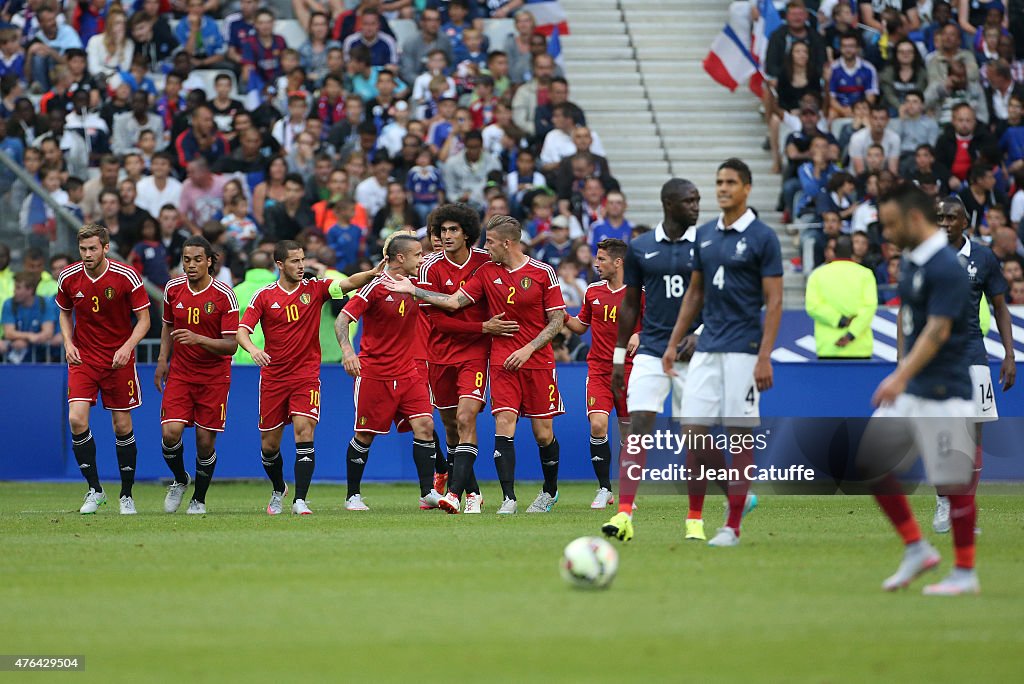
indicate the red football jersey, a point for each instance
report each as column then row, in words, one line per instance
column 524, row 295
column 421, row 350
column 291, row 327
column 102, row 307
column 600, row 311
column 441, row 274
column 389, row 323
column 212, row 312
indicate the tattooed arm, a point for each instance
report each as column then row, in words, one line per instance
column 556, row 319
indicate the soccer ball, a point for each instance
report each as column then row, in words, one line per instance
column 589, row 562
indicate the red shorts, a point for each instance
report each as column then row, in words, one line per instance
column 379, row 403
column 119, row 388
column 530, row 392
column 601, row 399
column 451, row 384
column 279, row 401
column 422, row 370
column 204, row 405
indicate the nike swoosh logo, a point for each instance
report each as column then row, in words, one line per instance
column 705, row 243
column 648, row 255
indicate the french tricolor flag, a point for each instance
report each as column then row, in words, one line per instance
column 731, row 64
column 549, row 15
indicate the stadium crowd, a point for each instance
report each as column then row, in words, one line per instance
column 865, row 95
column 161, row 119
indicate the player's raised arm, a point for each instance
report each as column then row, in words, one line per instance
column 342, row 286
column 452, row 302
column 693, row 302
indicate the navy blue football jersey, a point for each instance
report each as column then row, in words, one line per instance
column 733, row 262
column 985, row 277
column 933, row 283
column 663, row 269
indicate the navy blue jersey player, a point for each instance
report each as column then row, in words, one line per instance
column 929, row 392
column 657, row 273
column 737, row 270
column 987, row 287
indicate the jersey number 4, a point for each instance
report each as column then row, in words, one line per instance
column 719, row 278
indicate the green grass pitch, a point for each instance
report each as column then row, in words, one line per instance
column 397, row 594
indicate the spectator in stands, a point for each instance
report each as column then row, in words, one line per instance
column 843, row 21
column 12, row 56
column 317, row 187
column 470, row 59
column 148, row 257
column 980, row 194
column 396, row 214
column 914, row 128
column 613, row 224
column 973, row 16
column 812, row 178
column 425, row 184
column 160, row 188
column 302, row 160
column 202, row 194
column 128, row 125
column 349, row 22
column 794, row 29
column 313, row 53
column 172, row 235
column 48, row 47
column 111, row 50
column 877, row 132
column 961, row 144
column 29, row 321
column 1017, row 292
column 852, row 79
column 239, row 27
column 418, row 48
column 261, row 57
column 344, row 237
column 998, row 93
column 131, row 216
column 423, row 96
column 201, row 139
column 240, row 225
column 905, row 73
column 372, row 192
column 382, row 47
column 842, row 298
column 465, row 174
column 517, row 45
column 497, row 69
column 948, row 49
column 557, row 245
column 572, row 281
column 37, row 218
column 797, row 78
column 152, row 39
column 324, row 212
column 285, row 220
column 360, row 75
column 271, row 190
column 558, row 94
column 944, row 95
column 525, row 101
column 558, row 143
column 380, row 108
column 200, row 36
column 88, row 18
column 524, row 179
column 925, row 164
column 455, row 141
column 286, row 131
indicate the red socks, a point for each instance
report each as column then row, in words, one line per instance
column 897, row 508
column 963, row 513
column 738, row 490
column 628, row 486
column 696, row 489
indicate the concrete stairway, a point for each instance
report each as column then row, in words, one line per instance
column 605, row 80
column 635, row 68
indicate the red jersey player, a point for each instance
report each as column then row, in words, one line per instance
column 600, row 312
column 387, row 388
column 522, row 367
column 460, row 346
column 289, row 311
column 199, row 323
column 97, row 297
